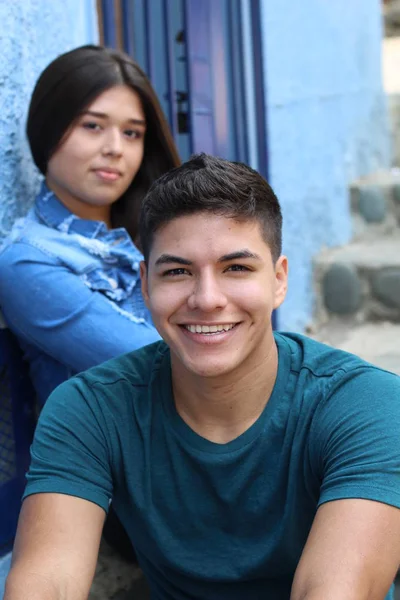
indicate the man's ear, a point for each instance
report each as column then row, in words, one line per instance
column 281, row 280
column 144, row 280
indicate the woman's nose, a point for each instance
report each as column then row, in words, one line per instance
column 112, row 143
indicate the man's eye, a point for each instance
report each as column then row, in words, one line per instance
column 175, row 272
column 238, row 268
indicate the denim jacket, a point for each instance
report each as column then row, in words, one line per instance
column 70, row 291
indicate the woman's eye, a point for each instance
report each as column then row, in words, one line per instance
column 131, row 134
column 175, row 272
column 92, row 126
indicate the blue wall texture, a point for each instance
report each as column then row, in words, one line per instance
column 32, row 32
column 327, row 124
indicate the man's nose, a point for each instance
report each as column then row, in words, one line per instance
column 207, row 294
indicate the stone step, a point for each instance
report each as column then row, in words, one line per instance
column 377, row 343
column 391, row 83
column 360, row 281
column 391, row 16
column 375, row 204
column 115, row 578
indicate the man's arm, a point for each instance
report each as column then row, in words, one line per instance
column 352, row 552
column 56, row 548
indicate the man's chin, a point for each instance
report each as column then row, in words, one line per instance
column 207, row 369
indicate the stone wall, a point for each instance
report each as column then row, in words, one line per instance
column 391, row 14
column 361, row 281
column 33, row 32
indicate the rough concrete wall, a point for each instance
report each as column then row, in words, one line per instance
column 32, row 32
column 327, row 124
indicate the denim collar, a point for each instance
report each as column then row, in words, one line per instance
column 54, row 214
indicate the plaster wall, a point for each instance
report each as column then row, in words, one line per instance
column 33, row 33
column 327, row 125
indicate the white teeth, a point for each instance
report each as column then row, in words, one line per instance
column 209, row 328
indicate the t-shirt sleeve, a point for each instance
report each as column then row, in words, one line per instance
column 356, row 434
column 70, row 453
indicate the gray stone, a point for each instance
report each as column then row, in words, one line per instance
column 367, row 255
column 372, row 203
column 386, row 287
column 391, row 14
column 396, row 193
column 114, row 576
column 139, row 591
column 341, row 289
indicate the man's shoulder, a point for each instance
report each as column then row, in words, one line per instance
column 137, row 369
column 339, row 383
column 116, row 387
column 321, row 360
column 324, row 372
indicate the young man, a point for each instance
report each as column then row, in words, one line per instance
column 243, row 464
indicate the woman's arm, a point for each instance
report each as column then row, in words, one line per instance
column 52, row 308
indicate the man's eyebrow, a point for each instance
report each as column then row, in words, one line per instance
column 101, row 115
column 238, row 255
column 166, row 259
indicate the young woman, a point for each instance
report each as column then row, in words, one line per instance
column 69, row 271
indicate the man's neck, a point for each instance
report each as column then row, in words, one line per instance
column 222, row 408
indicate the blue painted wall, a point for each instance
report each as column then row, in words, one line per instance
column 32, row 32
column 327, row 124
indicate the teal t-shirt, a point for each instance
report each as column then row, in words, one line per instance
column 222, row 521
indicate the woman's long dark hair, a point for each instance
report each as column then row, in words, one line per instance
column 69, row 85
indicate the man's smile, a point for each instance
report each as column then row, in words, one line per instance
column 214, row 328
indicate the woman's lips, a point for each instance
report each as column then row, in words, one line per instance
column 108, row 174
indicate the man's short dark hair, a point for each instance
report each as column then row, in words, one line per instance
column 209, row 184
